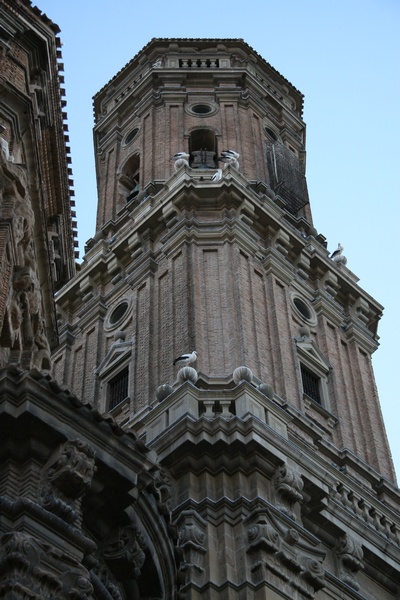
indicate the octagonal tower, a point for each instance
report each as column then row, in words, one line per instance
column 273, row 439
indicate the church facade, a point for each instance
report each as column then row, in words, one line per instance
column 262, row 469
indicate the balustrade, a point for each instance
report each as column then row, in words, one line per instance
column 368, row 513
column 207, row 63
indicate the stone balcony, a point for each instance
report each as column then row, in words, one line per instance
column 243, row 402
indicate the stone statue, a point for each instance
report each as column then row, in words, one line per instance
column 23, row 337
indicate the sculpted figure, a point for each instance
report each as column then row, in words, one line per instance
column 22, row 328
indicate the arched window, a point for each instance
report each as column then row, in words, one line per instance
column 129, row 178
column 203, row 149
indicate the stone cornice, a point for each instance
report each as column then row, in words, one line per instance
column 187, row 193
column 33, row 392
column 144, row 63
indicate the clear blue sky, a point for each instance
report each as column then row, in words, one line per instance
column 343, row 56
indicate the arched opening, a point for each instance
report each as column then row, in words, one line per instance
column 203, row 149
column 46, row 363
column 129, row 178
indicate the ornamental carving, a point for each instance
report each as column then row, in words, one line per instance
column 76, row 584
column 191, row 534
column 161, row 488
column 104, row 583
column 350, row 556
column 263, row 537
column 282, row 556
column 23, row 332
column 66, row 478
column 21, row 575
column 124, row 551
column 192, row 543
column 30, row 346
column 288, row 485
column 33, row 570
column 313, row 572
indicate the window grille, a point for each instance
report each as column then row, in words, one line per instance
column 311, row 385
column 118, row 388
column 287, row 177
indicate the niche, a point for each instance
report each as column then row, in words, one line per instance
column 129, row 178
column 203, row 149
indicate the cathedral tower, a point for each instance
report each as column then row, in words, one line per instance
column 273, row 440
column 233, row 268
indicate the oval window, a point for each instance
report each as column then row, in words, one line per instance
column 131, row 135
column 302, row 308
column 118, row 313
column 201, row 109
column 271, row 133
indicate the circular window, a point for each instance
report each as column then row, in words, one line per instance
column 201, row 109
column 118, row 315
column 131, row 135
column 303, row 309
column 271, row 133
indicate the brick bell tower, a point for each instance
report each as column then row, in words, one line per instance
column 283, row 483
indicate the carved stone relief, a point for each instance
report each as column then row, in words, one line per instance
column 104, row 583
column 288, row 487
column 65, row 479
column 22, row 328
column 278, row 555
column 192, row 541
column 349, row 555
column 76, row 584
column 33, row 570
column 161, row 488
column 22, row 577
column 124, row 551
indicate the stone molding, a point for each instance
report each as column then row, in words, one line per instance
column 278, row 555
